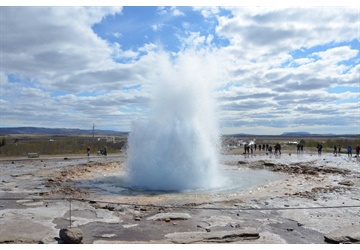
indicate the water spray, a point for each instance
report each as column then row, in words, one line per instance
column 177, row 148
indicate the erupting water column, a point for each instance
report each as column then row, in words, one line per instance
column 177, row 149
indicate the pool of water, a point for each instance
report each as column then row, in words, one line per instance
column 233, row 180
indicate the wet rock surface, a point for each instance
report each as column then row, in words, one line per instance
column 214, row 237
column 316, row 201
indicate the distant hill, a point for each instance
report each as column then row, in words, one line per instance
column 283, row 134
column 56, row 131
column 295, row 133
column 237, row 135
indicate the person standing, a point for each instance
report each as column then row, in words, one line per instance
column 319, row 147
column 88, row 151
column 335, row 150
column 349, row 151
column 339, row 148
column 104, row 151
column 269, row 148
column 357, row 150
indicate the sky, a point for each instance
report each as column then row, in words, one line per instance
column 273, row 69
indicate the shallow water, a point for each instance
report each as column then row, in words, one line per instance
column 234, row 180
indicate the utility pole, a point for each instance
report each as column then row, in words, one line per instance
column 93, row 132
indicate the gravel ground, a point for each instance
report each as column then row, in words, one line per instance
column 289, row 198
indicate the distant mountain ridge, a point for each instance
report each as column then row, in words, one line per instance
column 296, row 133
column 76, row 131
column 293, row 134
column 56, row 131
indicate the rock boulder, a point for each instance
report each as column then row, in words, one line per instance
column 344, row 235
column 71, row 235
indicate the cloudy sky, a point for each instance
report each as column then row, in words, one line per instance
column 273, row 69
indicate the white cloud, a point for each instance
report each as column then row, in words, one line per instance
column 337, row 54
column 161, row 10
column 54, row 45
column 117, row 34
column 207, row 12
column 286, row 29
column 176, row 12
column 57, row 72
column 157, row 27
column 193, row 40
column 118, row 53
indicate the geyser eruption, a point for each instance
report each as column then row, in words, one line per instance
column 177, row 148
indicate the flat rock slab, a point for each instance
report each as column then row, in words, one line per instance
column 345, row 234
column 26, row 231
column 171, row 216
column 214, row 237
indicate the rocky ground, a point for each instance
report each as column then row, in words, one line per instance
column 313, row 199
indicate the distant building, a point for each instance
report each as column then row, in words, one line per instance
column 292, row 142
column 110, row 139
column 247, row 142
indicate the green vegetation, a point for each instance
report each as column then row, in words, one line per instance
column 19, row 145
column 329, row 143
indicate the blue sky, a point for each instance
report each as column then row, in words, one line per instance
column 271, row 69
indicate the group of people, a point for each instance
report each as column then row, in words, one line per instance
column 337, row 150
column 249, row 148
column 300, row 148
column 102, row 151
